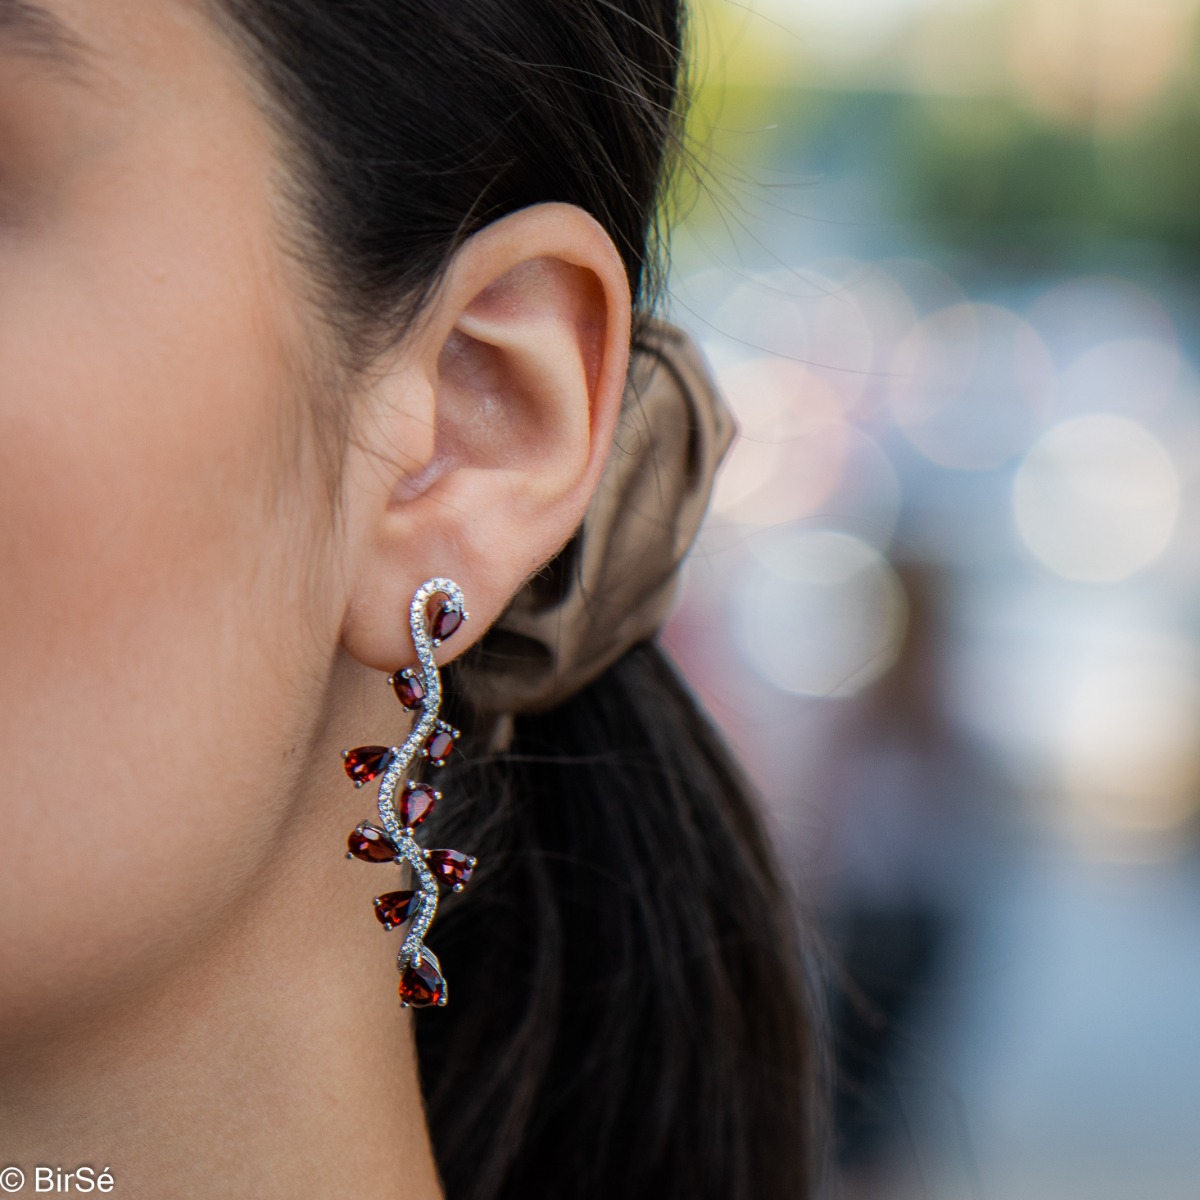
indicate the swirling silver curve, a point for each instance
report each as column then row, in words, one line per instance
column 403, row 757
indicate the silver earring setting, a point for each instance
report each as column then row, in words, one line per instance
column 404, row 802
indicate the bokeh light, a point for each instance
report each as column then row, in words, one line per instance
column 1097, row 498
column 1097, row 63
column 970, row 384
column 1135, row 377
column 811, row 580
column 1081, row 313
column 791, row 446
column 1127, row 746
column 805, row 317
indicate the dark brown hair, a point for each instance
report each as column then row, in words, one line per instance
column 629, row 1014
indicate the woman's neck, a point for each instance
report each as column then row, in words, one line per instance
column 274, row 1063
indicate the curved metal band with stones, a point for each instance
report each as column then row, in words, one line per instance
column 406, row 847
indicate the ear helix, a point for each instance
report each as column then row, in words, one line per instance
column 430, row 742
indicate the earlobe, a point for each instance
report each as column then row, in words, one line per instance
column 513, row 378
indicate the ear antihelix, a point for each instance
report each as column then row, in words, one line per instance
column 437, row 610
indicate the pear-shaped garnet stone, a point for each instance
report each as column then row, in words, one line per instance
column 416, row 803
column 439, row 747
column 371, row 844
column 422, row 985
column 451, row 867
column 366, row 762
column 410, row 691
column 394, row 908
column 448, row 619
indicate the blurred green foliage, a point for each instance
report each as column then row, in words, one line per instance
column 990, row 170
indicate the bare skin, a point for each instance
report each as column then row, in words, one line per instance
column 193, row 991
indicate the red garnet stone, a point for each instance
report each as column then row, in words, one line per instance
column 410, row 691
column 451, row 867
column 394, row 908
column 422, row 986
column 439, row 747
column 416, row 803
column 448, row 619
column 371, row 844
column 366, row 762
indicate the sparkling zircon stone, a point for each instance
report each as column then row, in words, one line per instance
column 448, row 619
column 394, row 908
column 422, row 985
column 366, row 763
column 416, row 803
column 439, row 747
column 410, row 691
column 451, row 867
column 371, row 844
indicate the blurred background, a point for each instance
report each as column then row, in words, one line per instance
column 947, row 604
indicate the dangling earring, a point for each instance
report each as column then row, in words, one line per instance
column 431, row 739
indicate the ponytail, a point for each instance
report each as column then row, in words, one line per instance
column 629, row 1016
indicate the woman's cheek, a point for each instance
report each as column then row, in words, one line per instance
column 151, row 621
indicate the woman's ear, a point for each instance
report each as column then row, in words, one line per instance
column 484, row 434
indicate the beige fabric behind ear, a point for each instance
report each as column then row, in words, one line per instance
column 614, row 582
